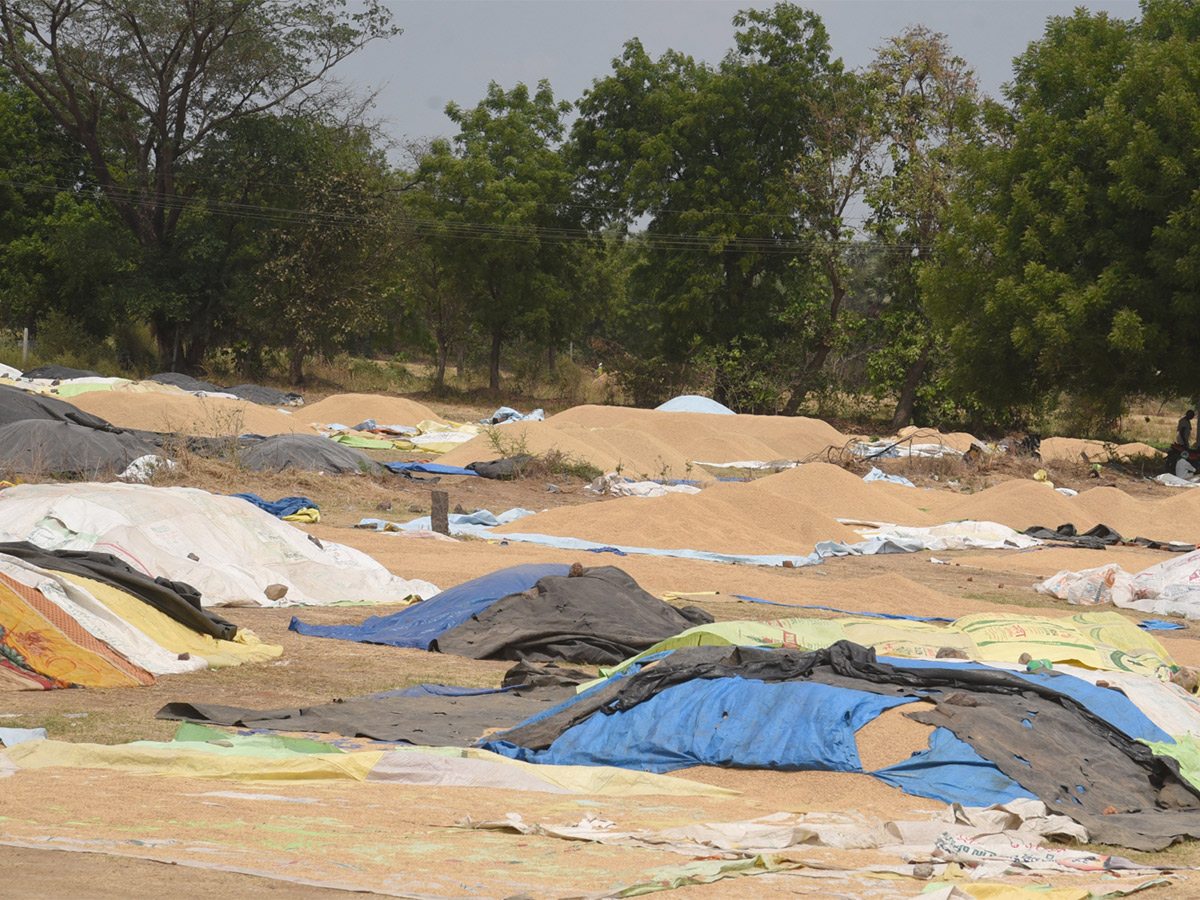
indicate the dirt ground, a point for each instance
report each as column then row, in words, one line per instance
column 314, row 670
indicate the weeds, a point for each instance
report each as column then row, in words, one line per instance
column 512, row 442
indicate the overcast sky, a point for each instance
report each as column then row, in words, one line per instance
column 451, row 49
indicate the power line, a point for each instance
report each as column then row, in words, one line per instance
column 442, row 228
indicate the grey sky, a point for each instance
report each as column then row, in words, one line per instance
column 451, row 49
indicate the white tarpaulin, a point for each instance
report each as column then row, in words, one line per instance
column 226, row 548
column 1168, row 588
column 617, row 486
column 967, row 535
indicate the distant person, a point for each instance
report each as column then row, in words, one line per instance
column 1183, row 431
column 1185, row 468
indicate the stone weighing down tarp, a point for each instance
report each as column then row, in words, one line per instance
column 226, row 548
column 1072, row 744
column 534, row 612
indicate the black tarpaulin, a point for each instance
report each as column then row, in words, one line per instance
column 310, row 452
column 44, row 447
column 427, row 715
column 176, row 599
column 17, row 405
column 599, row 618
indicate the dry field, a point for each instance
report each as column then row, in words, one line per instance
column 403, row 840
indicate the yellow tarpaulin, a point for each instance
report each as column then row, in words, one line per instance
column 179, row 761
column 175, row 636
column 1094, row 640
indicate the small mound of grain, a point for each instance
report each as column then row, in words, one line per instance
column 186, row 414
column 892, row 737
column 715, row 440
column 1069, row 449
column 954, row 440
column 723, row 518
column 844, row 495
column 634, row 454
column 350, row 409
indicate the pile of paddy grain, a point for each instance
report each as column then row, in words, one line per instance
column 729, row 517
column 632, row 453
column 1071, row 450
column 644, row 443
column 953, row 440
column 351, row 409
column 1024, row 503
column 179, row 413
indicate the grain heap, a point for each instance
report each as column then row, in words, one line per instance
column 644, row 443
column 743, row 518
column 791, row 511
column 186, row 414
column 1069, row 449
column 351, row 409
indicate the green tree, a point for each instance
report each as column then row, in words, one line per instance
column 141, row 85
column 61, row 251
column 500, row 210
column 930, row 111
column 326, row 258
column 828, row 181
column 1069, row 266
column 705, row 157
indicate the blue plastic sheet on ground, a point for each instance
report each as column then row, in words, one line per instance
column 848, row 612
column 800, row 725
column 285, row 506
column 952, row 772
column 792, row 726
column 481, row 522
column 566, row 543
column 1159, row 625
column 419, row 625
column 428, row 468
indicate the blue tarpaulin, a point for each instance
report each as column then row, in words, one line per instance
column 421, row 624
column 791, row 725
column 951, row 771
column 798, row 725
column 428, row 468
column 285, row 506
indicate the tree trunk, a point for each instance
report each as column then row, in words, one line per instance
column 439, row 378
column 902, row 417
column 816, row 362
column 553, row 355
column 296, row 368
column 193, row 355
column 801, row 385
column 460, row 363
column 494, row 360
